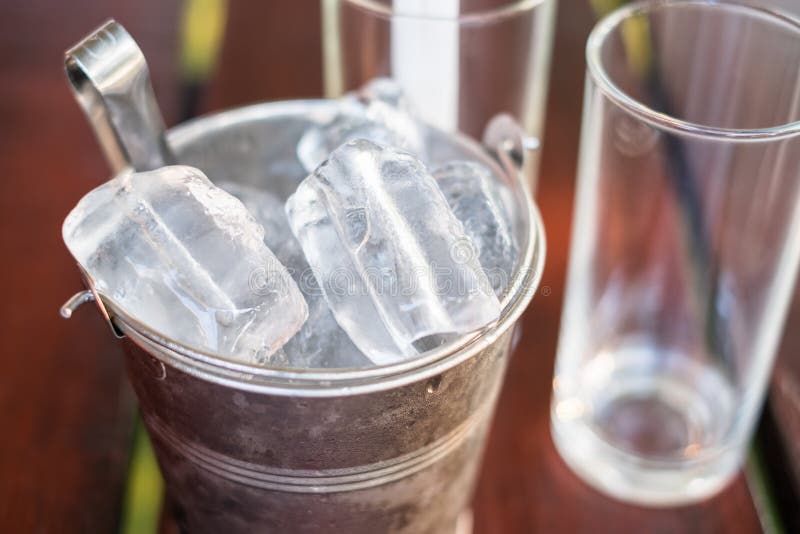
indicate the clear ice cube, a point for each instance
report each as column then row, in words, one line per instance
column 268, row 211
column 474, row 199
column 188, row 260
column 379, row 112
column 384, row 90
column 394, row 262
column 321, row 342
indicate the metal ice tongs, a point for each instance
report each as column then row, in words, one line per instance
column 111, row 82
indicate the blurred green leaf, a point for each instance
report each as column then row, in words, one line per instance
column 635, row 32
column 760, row 488
column 144, row 494
column 604, row 7
column 202, row 30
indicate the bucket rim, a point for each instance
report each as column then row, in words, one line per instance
column 325, row 382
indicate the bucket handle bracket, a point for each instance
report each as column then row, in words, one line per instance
column 506, row 141
column 89, row 294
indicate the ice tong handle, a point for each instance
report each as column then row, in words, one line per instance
column 111, row 82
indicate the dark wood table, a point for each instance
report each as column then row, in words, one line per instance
column 65, row 408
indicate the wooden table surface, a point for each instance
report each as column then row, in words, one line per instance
column 65, row 407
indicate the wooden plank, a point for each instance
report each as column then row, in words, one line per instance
column 65, row 409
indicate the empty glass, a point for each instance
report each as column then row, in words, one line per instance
column 685, row 246
column 460, row 62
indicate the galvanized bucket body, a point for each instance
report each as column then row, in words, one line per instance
column 387, row 449
column 398, row 460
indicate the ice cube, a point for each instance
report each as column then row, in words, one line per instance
column 321, row 342
column 188, row 260
column 394, row 262
column 475, row 200
column 379, row 112
column 384, row 90
column 268, row 211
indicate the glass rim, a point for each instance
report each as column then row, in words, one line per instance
column 609, row 23
column 478, row 17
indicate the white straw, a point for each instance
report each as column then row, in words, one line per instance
column 424, row 57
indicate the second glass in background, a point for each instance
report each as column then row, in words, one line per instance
column 461, row 62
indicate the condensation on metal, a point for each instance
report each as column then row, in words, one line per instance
column 323, row 480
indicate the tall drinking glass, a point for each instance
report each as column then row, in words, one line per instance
column 461, row 62
column 685, row 245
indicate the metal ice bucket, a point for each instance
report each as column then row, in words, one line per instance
column 395, row 448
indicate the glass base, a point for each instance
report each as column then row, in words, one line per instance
column 647, row 424
column 635, row 479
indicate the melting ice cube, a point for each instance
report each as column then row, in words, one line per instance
column 267, row 209
column 394, row 262
column 379, row 112
column 321, row 342
column 474, row 199
column 188, row 260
